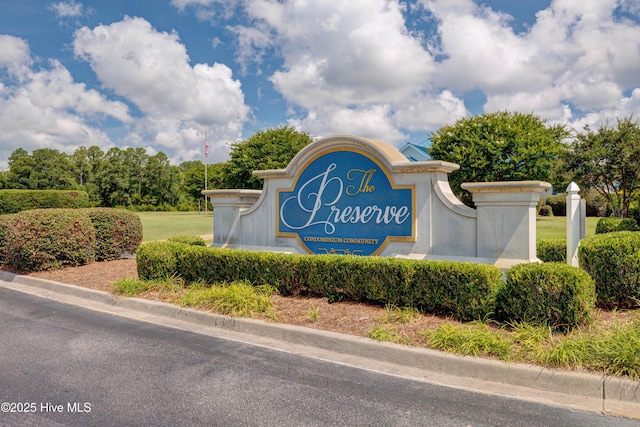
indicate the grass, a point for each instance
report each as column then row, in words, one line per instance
column 555, row 227
column 236, row 299
column 314, row 314
column 162, row 225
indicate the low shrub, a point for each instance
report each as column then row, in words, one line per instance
column 550, row 294
column 45, row 239
column 13, row 201
column 158, row 260
column 612, row 224
column 552, row 250
column 462, row 290
column 613, row 261
column 558, row 203
column 189, row 239
column 118, row 232
column 545, row 210
column 5, row 223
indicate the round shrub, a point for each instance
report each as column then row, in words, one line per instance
column 545, row 210
column 558, row 203
column 46, row 239
column 612, row 260
column 555, row 295
column 552, row 250
column 188, row 239
column 612, row 224
column 118, row 232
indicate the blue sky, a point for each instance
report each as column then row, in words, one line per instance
column 159, row 74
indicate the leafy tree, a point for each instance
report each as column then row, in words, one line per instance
column 86, row 165
column 20, row 168
column 501, row 146
column 266, row 149
column 608, row 161
column 193, row 179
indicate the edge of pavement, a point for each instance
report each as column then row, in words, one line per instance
column 583, row 391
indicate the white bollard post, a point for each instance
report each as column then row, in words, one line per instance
column 573, row 223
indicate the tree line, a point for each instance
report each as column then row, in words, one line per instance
column 500, row 146
column 130, row 177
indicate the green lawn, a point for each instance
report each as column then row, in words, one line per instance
column 550, row 228
column 162, row 225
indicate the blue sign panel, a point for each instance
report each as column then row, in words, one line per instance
column 345, row 202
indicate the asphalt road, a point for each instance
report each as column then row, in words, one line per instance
column 63, row 365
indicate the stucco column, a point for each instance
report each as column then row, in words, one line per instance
column 506, row 219
column 227, row 205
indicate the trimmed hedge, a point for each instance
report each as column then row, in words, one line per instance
column 552, row 250
column 613, row 260
column 613, row 224
column 551, row 294
column 44, row 239
column 118, row 232
column 13, row 201
column 464, row 291
column 189, row 239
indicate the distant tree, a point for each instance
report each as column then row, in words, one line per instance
column 193, row 179
column 44, row 169
column 266, row 149
column 501, row 146
column 608, row 160
column 20, row 169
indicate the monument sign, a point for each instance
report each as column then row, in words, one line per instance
column 354, row 196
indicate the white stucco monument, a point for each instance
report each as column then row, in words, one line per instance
column 350, row 195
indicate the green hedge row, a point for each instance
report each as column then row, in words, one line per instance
column 464, row 291
column 46, row 239
column 461, row 290
column 613, row 260
column 13, row 201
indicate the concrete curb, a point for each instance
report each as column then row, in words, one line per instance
column 606, row 394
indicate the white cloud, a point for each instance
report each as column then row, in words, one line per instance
column 14, row 54
column 343, row 62
column 68, row 9
column 152, row 70
column 577, row 60
column 369, row 122
column 47, row 109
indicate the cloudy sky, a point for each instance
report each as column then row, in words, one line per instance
column 159, row 74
